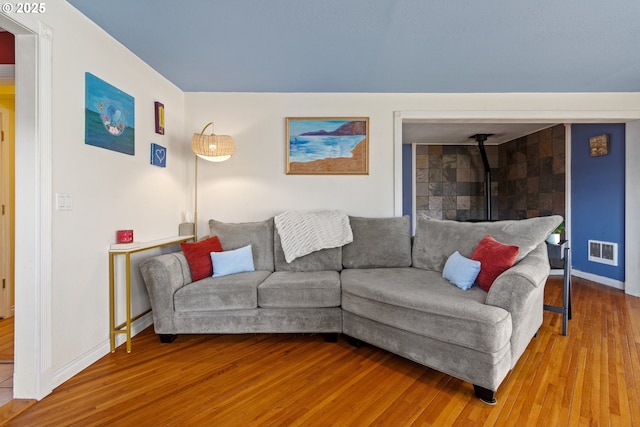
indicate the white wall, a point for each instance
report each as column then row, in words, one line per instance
column 632, row 207
column 110, row 190
column 253, row 184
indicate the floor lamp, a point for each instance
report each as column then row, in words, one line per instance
column 213, row 148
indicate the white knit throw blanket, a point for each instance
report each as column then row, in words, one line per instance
column 304, row 232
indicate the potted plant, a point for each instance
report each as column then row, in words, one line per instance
column 554, row 237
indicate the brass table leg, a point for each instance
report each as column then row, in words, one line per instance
column 128, row 324
column 112, row 304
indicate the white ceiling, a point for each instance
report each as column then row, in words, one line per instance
column 419, row 132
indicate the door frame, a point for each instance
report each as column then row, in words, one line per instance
column 33, row 347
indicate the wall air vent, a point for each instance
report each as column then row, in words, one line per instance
column 603, row 252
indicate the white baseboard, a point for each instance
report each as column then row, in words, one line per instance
column 79, row 364
column 598, row 279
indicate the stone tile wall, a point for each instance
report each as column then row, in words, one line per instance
column 528, row 178
column 450, row 181
column 532, row 175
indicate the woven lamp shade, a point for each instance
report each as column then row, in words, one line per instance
column 214, row 148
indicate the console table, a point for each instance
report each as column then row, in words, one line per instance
column 126, row 249
column 561, row 251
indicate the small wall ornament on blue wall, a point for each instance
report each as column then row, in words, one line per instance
column 158, row 155
column 599, row 145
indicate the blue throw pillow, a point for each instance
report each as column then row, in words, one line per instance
column 461, row 271
column 231, row 262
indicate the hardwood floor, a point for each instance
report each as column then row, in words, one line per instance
column 6, row 339
column 590, row 378
column 6, row 361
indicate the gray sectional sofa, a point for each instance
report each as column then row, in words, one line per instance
column 384, row 288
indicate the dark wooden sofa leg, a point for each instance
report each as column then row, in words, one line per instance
column 167, row 338
column 330, row 337
column 484, row 394
column 353, row 341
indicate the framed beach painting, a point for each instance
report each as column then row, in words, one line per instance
column 109, row 116
column 327, row 145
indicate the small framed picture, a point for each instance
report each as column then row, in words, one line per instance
column 158, row 155
column 599, row 145
column 159, row 117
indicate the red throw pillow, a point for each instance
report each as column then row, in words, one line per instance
column 199, row 258
column 495, row 258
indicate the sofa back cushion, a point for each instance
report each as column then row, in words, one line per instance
column 435, row 240
column 378, row 242
column 257, row 234
column 322, row 260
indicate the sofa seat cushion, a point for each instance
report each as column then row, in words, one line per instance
column 290, row 289
column 236, row 291
column 422, row 302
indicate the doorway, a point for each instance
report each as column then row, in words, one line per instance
column 6, row 203
column 630, row 117
column 7, row 102
column 527, row 175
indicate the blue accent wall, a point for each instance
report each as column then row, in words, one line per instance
column 407, row 180
column 597, row 197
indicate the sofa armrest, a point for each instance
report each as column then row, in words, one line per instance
column 163, row 275
column 520, row 291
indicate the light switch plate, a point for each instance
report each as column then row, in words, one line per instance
column 64, row 201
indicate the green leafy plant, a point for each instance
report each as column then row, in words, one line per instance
column 559, row 229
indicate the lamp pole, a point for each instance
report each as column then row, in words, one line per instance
column 195, row 198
